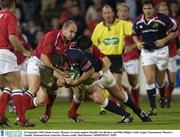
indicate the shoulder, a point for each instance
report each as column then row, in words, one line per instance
column 99, row 25
column 51, row 34
column 162, row 16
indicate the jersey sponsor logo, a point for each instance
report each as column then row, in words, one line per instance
column 111, row 41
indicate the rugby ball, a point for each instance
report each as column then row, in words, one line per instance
column 74, row 73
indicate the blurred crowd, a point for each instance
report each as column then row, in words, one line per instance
column 36, row 19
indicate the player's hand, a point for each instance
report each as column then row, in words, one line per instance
column 61, row 81
column 160, row 42
column 70, row 82
column 59, row 72
column 128, row 49
column 96, row 76
column 140, row 45
column 26, row 53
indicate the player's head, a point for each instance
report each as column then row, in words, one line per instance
column 61, row 62
column 123, row 11
column 83, row 42
column 148, row 8
column 163, row 8
column 69, row 29
column 108, row 14
column 9, row 4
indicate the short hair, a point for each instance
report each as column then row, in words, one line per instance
column 107, row 6
column 59, row 60
column 7, row 3
column 146, row 2
column 163, row 3
column 68, row 23
column 83, row 42
column 122, row 5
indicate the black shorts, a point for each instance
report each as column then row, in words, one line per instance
column 116, row 63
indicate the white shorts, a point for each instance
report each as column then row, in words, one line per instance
column 23, row 67
column 8, row 61
column 159, row 57
column 107, row 81
column 172, row 64
column 34, row 66
column 132, row 66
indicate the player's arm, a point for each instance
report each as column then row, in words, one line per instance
column 106, row 65
column 135, row 35
column 171, row 28
column 130, row 48
column 85, row 76
column 138, row 43
column 17, row 45
column 47, row 62
column 170, row 36
column 85, row 67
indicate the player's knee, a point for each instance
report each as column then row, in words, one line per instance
column 41, row 101
column 98, row 99
column 149, row 80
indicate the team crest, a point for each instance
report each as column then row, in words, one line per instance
column 155, row 25
column 140, row 26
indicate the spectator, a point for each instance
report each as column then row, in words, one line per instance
column 30, row 9
column 92, row 12
column 76, row 15
column 52, row 11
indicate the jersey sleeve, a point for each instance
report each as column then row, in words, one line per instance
column 135, row 28
column 12, row 24
column 82, row 60
column 169, row 24
column 47, row 45
column 95, row 36
column 97, row 52
column 128, row 28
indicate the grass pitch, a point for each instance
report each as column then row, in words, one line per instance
column 167, row 118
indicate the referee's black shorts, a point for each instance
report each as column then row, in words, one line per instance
column 116, row 63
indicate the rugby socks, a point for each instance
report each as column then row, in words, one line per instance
column 114, row 100
column 51, row 100
column 28, row 100
column 169, row 90
column 151, row 91
column 17, row 97
column 135, row 95
column 74, row 107
column 112, row 107
column 161, row 90
column 128, row 102
column 5, row 97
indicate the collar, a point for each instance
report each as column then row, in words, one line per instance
column 7, row 11
column 155, row 16
column 111, row 23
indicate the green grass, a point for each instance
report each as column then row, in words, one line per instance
column 166, row 118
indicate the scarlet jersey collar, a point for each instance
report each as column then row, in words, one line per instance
column 6, row 11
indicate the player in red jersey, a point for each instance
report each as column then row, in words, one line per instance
column 22, row 64
column 56, row 41
column 171, row 71
column 130, row 56
column 21, row 59
column 101, row 78
column 8, row 64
